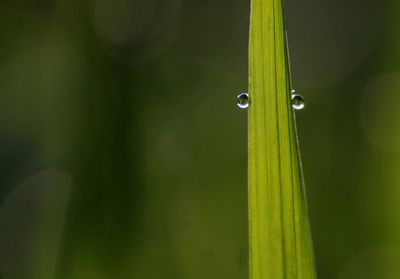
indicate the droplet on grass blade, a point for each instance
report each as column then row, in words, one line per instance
column 298, row 101
column 243, row 100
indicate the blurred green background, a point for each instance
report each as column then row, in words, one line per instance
column 123, row 155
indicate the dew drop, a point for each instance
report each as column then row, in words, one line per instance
column 243, row 100
column 298, row 102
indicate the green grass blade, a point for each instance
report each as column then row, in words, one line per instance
column 280, row 238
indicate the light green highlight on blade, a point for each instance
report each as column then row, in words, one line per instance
column 280, row 238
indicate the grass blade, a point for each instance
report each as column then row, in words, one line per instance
column 280, row 238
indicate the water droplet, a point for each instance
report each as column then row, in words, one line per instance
column 298, row 102
column 243, row 100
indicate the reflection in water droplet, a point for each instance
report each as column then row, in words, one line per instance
column 298, row 102
column 243, row 100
